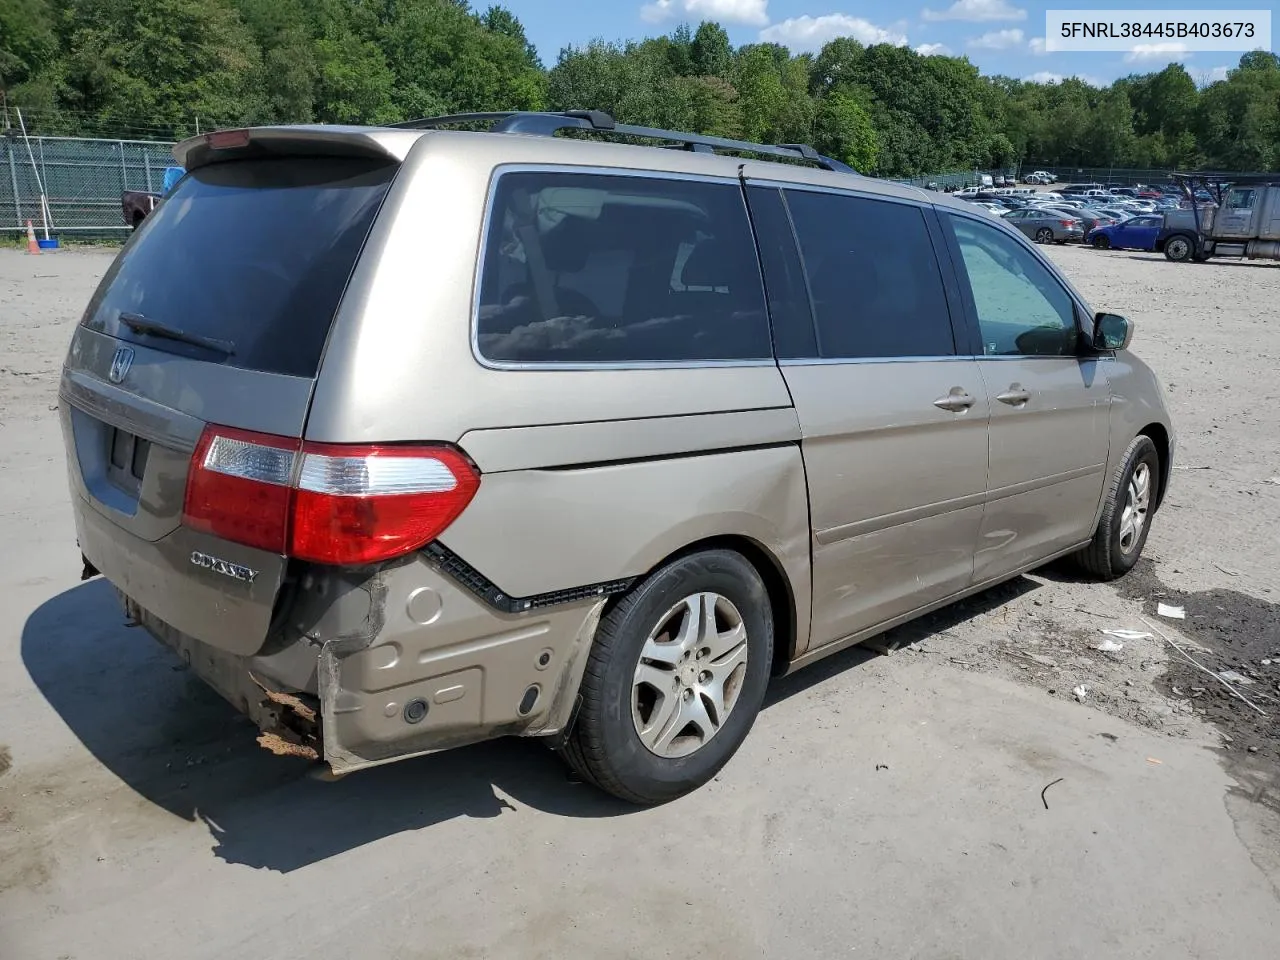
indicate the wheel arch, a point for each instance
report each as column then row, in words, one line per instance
column 781, row 591
column 1158, row 435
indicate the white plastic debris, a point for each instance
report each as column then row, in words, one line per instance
column 1109, row 646
column 1232, row 676
column 1172, row 612
column 1127, row 635
column 1080, row 692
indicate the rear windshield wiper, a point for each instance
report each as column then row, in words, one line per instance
column 140, row 324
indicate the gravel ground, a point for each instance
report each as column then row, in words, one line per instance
column 1210, row 331
column 912, row 782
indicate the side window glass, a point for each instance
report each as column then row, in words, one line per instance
column 1022, row 309
column 793, row 333
column 590, row 268
column 873, row 277
column 1241, row 199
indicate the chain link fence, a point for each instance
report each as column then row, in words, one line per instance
column 83, row 182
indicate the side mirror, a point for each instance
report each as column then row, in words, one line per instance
column 1112, row 331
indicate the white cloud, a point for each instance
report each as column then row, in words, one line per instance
column 811, row 33
column 977, row 11
column 657, row 11
column 1048, row 76
column 753, row 12
column 1214, row 75
column 933, row 50
column 1037, row 46
column 998, row 40
column 1143, row 52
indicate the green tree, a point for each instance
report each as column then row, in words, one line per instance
column 162, row 63
column 843, row 130
column 772, row 87
column 502, row 21
column 27, row 40
column 710, row 52
column 837, row 65
column 445, row 60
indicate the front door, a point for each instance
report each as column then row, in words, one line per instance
column 894, row 420
column 1050, row 403
column 1139, row 233
column 1235, row 219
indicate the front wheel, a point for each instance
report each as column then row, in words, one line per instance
column 675, row 679
column 1179, row 249
column 1126, row 514
column 1102, row 242
column 1044, row 235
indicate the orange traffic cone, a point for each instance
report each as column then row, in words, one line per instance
column 32, row 246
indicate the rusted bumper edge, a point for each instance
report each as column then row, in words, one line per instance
column 288, row 722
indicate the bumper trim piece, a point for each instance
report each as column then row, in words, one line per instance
column 473, row 580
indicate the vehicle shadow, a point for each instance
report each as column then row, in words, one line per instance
column 175, row 742
column 1215, row 261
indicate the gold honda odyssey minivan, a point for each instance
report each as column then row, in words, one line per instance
column 406, row 438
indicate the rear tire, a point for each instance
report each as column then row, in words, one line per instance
column 1102, row 243
column 643, row 678
column 1044, row 235
column 1126, row 514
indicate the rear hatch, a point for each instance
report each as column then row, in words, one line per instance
column 215, row 313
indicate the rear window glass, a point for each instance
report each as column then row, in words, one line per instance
column 590, row 268
column 254, row 254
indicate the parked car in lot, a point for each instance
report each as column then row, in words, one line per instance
column 1135, row 233
column 599, row 472
column 1046, row 226
column 1040, row 176
column 1089, row 217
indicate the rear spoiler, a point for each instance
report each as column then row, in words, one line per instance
column 303, row 140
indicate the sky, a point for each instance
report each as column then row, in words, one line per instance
column 999, row 36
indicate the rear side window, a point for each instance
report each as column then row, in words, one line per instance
column 873, row 276
column 254, row 254
column 591, row 268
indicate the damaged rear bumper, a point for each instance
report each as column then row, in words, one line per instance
column 374, row 666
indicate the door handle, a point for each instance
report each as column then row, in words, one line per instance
column 1015, row 396
column 957, row 401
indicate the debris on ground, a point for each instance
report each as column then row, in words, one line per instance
column 1235, row 676
column 1080, row 692
column 1128, row 634
column 1170, row 611
column 1109, row 646
column 1046, row 790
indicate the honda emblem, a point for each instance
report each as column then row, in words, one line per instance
column 120, row 364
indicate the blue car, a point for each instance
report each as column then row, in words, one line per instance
column 1136, row 233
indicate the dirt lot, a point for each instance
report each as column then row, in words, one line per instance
column 883, row 806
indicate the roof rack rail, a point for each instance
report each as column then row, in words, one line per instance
column 548, row 124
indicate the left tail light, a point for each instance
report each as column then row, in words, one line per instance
column 336, row 504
